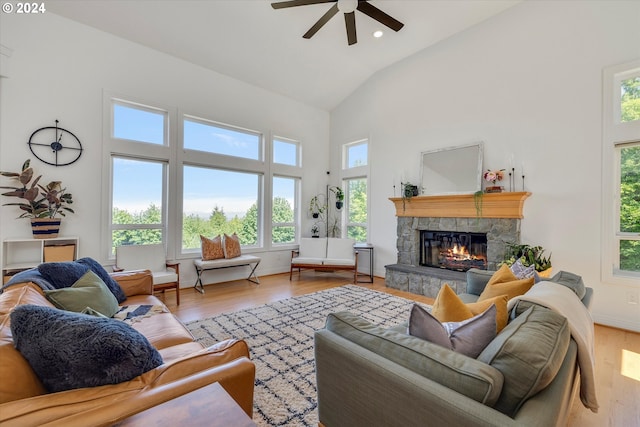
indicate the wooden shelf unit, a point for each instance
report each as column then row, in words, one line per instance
column 22, row 254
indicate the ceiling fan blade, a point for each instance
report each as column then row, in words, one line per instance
column 293, row 3
column 323, row 20
column 379, row 16
column 350, row 22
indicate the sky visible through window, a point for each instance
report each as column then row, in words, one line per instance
column 357, row 155
column 138, row 184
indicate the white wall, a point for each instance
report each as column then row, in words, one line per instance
column 59, row 69
column 527, row 82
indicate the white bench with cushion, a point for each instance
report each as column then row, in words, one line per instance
column 325, row 254
column 215, row 264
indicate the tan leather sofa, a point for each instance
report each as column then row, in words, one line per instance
column 187, row 366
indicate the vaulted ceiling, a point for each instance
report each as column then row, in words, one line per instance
column 250, row 41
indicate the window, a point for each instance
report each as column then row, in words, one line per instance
column 621, row 174
column 355, row 181
column 137, row 215
column 630, row 99
column 216, row 138
column 356, row 154
column 356, row 202
column 283, row 228
column 285, row 152
column 217, row 201
column 628, row 230
column 208, row 178
column 138, row 123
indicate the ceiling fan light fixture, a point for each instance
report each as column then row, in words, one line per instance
column 378, row 33
column 347, row 6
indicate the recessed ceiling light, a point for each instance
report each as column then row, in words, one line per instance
column 378, row 33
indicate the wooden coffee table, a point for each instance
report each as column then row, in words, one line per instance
column 209, row 406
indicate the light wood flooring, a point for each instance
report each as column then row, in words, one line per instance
column 617, row 351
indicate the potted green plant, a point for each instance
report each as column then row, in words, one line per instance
column 315, row 231
column 529, row 255
column 316, row 207
column 339, row 196
column 42, row 204
column 408, row 191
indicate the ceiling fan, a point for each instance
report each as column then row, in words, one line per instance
column 348, row 7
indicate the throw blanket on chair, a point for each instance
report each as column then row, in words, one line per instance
column 565, row 302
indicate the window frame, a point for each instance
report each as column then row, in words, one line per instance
column 162, row 225
column 347, row 222
column 357, row 172
column 296, row 216
column 137, row 150
column 615, row 135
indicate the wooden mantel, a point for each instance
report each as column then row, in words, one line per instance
column 494, row 205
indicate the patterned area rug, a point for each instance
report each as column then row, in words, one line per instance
column 280, row 337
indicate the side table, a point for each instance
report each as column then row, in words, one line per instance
column 366, row 247
column 209, row 406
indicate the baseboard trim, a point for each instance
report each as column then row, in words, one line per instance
column 615, row 323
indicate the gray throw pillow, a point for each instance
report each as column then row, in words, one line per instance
column 529, row 352
column 468, row 337
column 87, row 292
column 70, row 350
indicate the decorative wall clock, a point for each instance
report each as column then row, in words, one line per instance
column 55, row 146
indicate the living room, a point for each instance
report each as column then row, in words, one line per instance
column 527, row 82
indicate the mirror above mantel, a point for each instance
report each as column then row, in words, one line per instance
column 452, row 170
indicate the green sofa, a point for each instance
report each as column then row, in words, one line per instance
column 370, row 376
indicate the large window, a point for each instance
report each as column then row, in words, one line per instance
column 138, row 209
column 356, row 202
column 217, row 201
column 355, row 171
column 621, row 174
column 172, row 177
column 283, row 228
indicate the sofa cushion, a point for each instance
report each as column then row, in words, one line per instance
column 572, row 281
column 449, row 307
column 467, row 376
column 503, row 282
column 70, row 350
column 313, row 248
column 211, row 248
column 529, row 353
column 468, row 337
column 340, row 249
column 88, row 292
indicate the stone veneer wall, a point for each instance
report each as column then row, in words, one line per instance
column 408, row 275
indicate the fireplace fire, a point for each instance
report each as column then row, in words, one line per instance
column 453, row 250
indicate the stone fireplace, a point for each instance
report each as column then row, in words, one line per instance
column 494, row 224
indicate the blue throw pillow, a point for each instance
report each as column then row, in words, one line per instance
column 113, row 286
column 71, row 350
column 62, row 274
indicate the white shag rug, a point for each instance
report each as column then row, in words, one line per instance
column 280, row 339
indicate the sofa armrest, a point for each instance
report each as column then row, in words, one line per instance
column 226, row 362
column 134, row 282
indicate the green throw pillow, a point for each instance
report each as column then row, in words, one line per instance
column 88, row 292
column 529, row 352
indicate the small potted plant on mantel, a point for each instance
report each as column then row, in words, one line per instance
column 42, row 204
